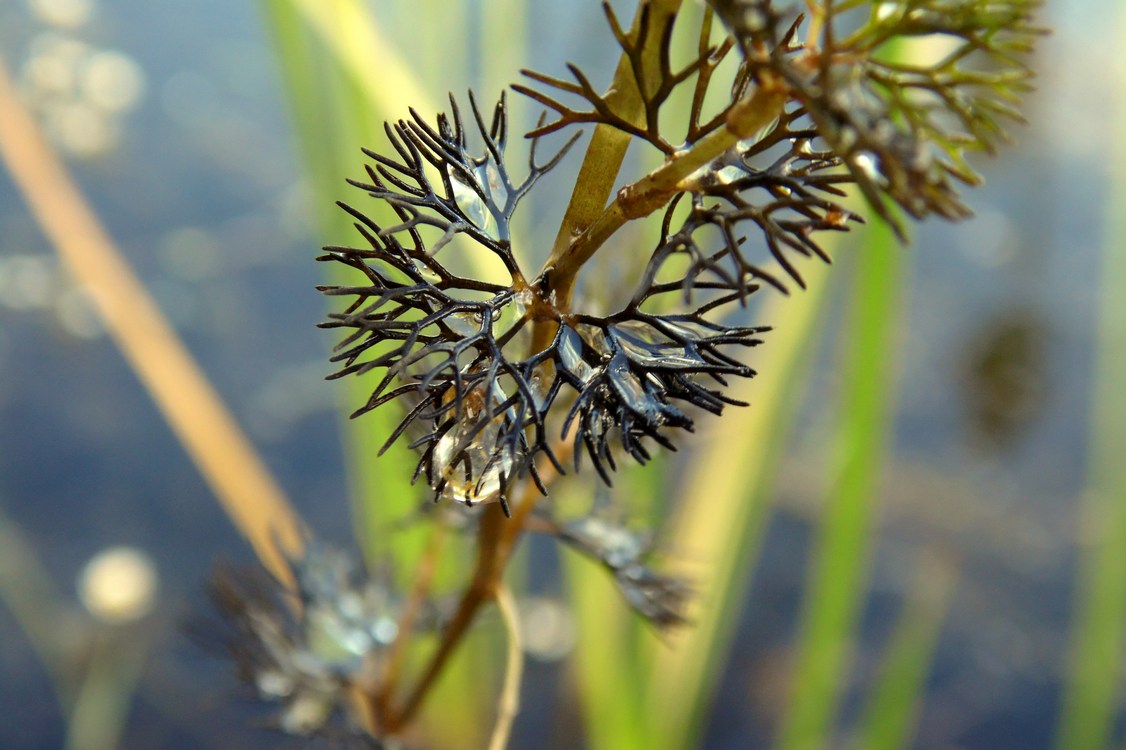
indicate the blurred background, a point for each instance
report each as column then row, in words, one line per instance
column 176, row 120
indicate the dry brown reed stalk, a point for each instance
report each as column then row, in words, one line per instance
column 228, row 461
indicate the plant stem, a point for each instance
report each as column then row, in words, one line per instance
column 656, row 189
column 205, row 428
column 497, row 537
column 608, row 145
column 427, row 567
column 481, row 589
column 509, row 704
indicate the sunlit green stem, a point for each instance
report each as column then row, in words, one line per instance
column 1092, row 694
column 838, row 575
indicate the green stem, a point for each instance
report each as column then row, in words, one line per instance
column 1093, row 688
column 838, row 576
column 608, row 145
column 894, row 705
column 658, row 187
column 102, row 706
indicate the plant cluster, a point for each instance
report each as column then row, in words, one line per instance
column 506, row 383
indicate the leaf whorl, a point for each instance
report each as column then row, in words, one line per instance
column 454, row 348
column 902, row 130
column 481, row 402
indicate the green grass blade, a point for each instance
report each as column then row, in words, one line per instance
column 336, row 109
column 505, row 20
column 364, row 53
column 837, row 581
column 718, row 526
column 102, row 705
column 889, row 720
column 36, row 606
column 1092, row 692
column 607, row 672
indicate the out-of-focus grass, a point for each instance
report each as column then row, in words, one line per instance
column 346, row 73
column 1092, row 693
column 93, row 694
column 894, row 705
column 325, row 52
column 725, row 501
column 101, row 707
column 35, row 603
column 836, row 586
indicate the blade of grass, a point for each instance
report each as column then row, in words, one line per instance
column 444, row 48
column 725, row 500
column 227, row 460
column 102, row 705
column 36, row 606
column 505, row 20
column 606, row 671
column 889, row 720
column 837, row 580
column 331, row 111
column 1092, row 692
column 608, row 668
column 359, row 45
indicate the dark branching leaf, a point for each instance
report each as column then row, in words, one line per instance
column 787, row 201
column 903, row 130
column 653, row 74
column 475, row 194
column 659, row 598
column 480, row 406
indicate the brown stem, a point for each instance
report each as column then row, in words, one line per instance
column 481, row 589
column 608, row 145
column 509, row 704
column 205, row 428
column 424, row 577
column 496, row 540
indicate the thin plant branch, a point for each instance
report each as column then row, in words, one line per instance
column 420, row 589
column 497, row 538
column 37, row 606
column 607, row 149
column 509, row 704
column 228, row 461
column 101, row 706
column 656, row 189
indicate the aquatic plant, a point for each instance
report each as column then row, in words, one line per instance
column 506, row 383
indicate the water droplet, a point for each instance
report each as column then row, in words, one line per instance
column 488, row 462
column 868, row 164
column 464, row 323
column 648, row 347
column 570, row 355
column 630, row 390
